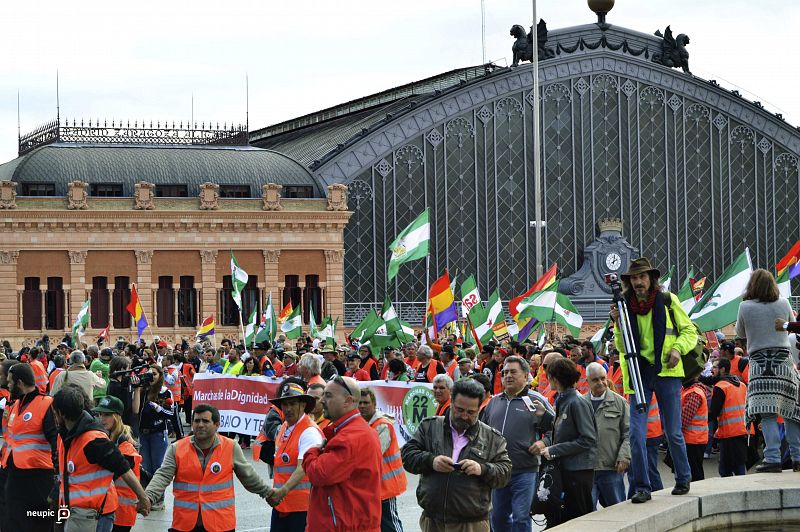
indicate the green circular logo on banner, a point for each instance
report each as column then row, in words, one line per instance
column 417, row 405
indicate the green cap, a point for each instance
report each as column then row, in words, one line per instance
column 109, row 404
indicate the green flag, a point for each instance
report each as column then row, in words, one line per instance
column 238, row 280
column 251, row 328
column 293, row 326
column 410, row 244
column 685, row 293
column 469, row 295
column 368, row 326
column 597, row 339
column 719, row 306
column 486, row 319
column 666, row 279
column 312, row 323
column 393, row 324
column 269, row 327
column 550, row 305
column 82, row 321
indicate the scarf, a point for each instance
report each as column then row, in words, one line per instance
column 641, row 308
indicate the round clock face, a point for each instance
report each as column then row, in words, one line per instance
column 613, row 261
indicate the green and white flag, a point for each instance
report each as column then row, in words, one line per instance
column 268, row 327
column 327, row 331
column 487, row 318
column 251, row 328
column 597, row 339
column 469, row 295
column 686, row 294
column 82, row 321
column 293, row 326
column 410, row 244
column 312, row 323
column 719, row 306
column 784, row 283
column 393, row 324
column 550, row 305
column 367, row 328
column 666, row 280
column 239, row 280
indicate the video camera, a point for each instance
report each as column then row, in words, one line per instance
column 145, row 379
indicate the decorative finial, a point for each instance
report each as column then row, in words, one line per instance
column 601, row 7
column 610, row 224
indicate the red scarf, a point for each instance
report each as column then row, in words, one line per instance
column 643, row 307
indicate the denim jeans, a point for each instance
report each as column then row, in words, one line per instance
column 609, row 488
column 772, row 439
column 511, row 505
column 153, row 448
column 652, row 467
column 668, row 395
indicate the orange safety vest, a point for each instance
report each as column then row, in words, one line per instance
column 451, row 369
column 497, row 385
column 286, row 458
column 40, row 376
column 126, row 511
column 615, row 378
column 441, row 409
column 413, row 363
column 90, row 485
column 696, row 433
column 278, row 366
column 483, row 404
column 25, row 435
column 730, row 422
column 316, row 379
column 550, row 395
column 367, row 365
column 324, row 423
column 204, row 492
column 187, row 371
column 583, row 384
column 261, row 438
column 55, row 373
column 744, row 374
column 175, row 388
column 393, row 477
column 654, row 429
column 5, row 447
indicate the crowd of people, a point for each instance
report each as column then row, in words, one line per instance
column 518, row 429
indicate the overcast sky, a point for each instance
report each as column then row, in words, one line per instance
column 145, row 59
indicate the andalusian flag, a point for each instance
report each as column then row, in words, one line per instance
column 550, row 305
column 327, row 331
column 268, row 328
column 251, row 328
column 411, row 244
column 312, row 323
column 666, row 279
column 469, row 295
column 82, row 321
column 367, row 328
column 293, row 326
column 239, row 280
column 488, row 321
column 719, row 306
column 597, row 339
column 393, row 323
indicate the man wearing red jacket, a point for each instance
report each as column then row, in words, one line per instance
column 345, row 473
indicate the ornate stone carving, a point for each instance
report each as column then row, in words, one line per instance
column 209, row 194
column 144, row 256
column 334, row 256
column 673, row 50
column 77, row 195
column 523, row 43
column 77, row 257
column 144, row 193
column 272, row 255
column 208, row 256
column 337, row 197
column 271, row 194
column 8, row 195
column 8, row 257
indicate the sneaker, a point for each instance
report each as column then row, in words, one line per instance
column 768, row 467
column 680, row 489
column 641, row 496
column 796, row 467
column 706, row 456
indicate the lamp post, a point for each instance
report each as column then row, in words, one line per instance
column 537, row 146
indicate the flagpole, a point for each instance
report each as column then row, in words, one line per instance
column 241, row 325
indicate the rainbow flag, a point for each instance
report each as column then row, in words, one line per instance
column 526, row 325
column 442, row 302
column 206, row 328
column 136, row 310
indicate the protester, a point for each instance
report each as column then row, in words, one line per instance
column 39, row 371
column 573, row 441
column 774, row 383
column 612, row 420
column 310, row 368
column 200, row 469
column 728, row 409
column 397, row 370
column 368, row 362
column 442, row 384
column 153, row 426
column 694, row 424
column 428, row 367
column 346, row 471
column 233, row 365
column 318, row 414
column 100, row 364
column 353, row 367
column 77, row 374
column 522, row 416
column 393, row 477
column 663, row 332
column 125, row 388
column 460, row 460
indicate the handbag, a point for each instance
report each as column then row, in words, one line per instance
column 548, row 499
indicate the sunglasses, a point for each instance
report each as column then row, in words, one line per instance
column 341, row 382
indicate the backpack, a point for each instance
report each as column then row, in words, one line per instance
column 694, row 361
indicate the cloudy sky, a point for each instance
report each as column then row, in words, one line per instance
column 145, row 59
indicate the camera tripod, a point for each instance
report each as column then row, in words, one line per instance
column 631, row 353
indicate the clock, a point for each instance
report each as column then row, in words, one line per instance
column 613, row 261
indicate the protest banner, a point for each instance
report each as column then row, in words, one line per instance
column 243, row 401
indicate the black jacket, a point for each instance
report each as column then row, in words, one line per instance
column 574, row 436
column 456, row 497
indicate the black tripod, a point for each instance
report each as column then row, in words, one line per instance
column 631, row 354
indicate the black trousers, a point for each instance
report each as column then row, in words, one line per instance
column 694, row 451
column 577, row 486
column 288, row 521
column 187, row 409
column 27, row 490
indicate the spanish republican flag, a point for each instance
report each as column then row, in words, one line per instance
column 442, row 302
column 206, row 328
column 285, row 312
column 136, row 310
column 789, row 259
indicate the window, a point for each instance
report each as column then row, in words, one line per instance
column 99, row 306
column 31, row 305
column 228, row 311
column 121, row 298
column 291, row 292
column 38, row 189
column 165, row 302
column 187, row 302
column 298, row 191
column 250, row 297
column 234, row 191
column 312, row 297
column 106, row 190
column 54, row 304
column 172, row 191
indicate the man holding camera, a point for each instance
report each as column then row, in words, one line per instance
column 662, row 333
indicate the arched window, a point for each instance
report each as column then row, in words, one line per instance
column 54, row 304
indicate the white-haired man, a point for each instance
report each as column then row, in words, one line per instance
column 442, row 385
column 310, row 368
column 78, row 375
column 428, row 366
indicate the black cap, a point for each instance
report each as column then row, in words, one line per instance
column 728, row 346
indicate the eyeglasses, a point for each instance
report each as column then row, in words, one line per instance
column 341, row 382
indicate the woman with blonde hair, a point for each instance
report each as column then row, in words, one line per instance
column 774, row 385
column 110, row 410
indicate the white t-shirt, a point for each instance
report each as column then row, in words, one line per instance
column 308, row 439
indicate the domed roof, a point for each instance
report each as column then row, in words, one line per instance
column 61, row 163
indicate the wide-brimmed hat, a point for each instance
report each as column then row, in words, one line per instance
column 295, row 391
column 640, row 265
